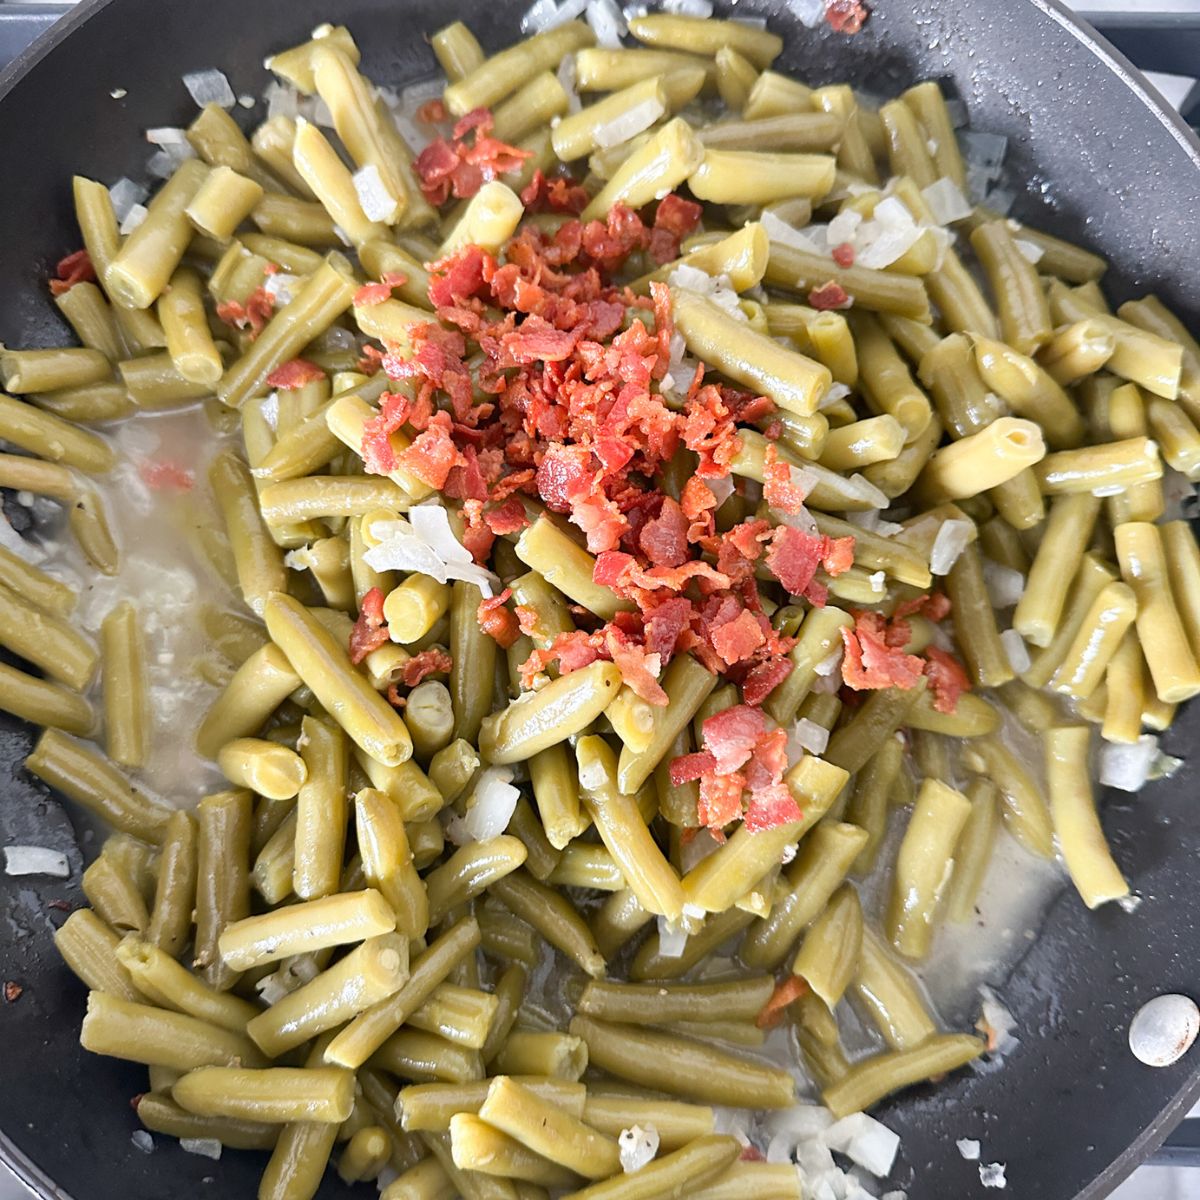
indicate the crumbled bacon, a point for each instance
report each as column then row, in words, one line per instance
column 461, row 166
column 639, row 670
column 828, row 296
column 163, row 474
column 296, row 373
column 731, row 735
column 736, row 640
column 377, row 292
column 843, row 254
column 429, row 662
column 947, row 679
column 720, row 800
column 787, row 991
column 846, row 16
column 432, row 112
column 874, row 655
column 779, row 490
column 433, row 453
column 688, row 767
column 556, row 193
column 370, row 630
column 253, row 315
column 497, row 621
column 794, row 557
column 935, row 606
column 771, row 806
column 377, row 453
column 13, row 991
column 75, row 268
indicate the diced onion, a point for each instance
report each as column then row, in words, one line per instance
column 281, row 285
column 378, row 204
column 865, row 1141
column 282, row 100
column 986, row 150
column 167, row 135
column 878, row 581
column 672, row 937
column 629, row 123
column 607, row 22
column 566, row 69
column 1127, row 768
column 721, row 488
column 426, row 543
column 861, row 488
column 205, row 1147
column 494, row 801
column 996, row 1018
column 844, row 227
column 810, row 13
column 638, row 1147
column 1004, row 585
column 210, row 87
column 124, row 194
column 946, row 201
column 834, row 393
column 810, row 736
column 968, row 1148
column 142, row 1140
column 778, row 230
column 35, row 860
column 1017, row 651
column 991, row 1175
column 952, row 539
column 1030, row 251
column 689, row 8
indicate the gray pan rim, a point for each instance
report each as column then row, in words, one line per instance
column 1150, row 1137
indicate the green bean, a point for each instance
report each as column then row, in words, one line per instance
column 828, row 957
column 275, row 1094
column 222, row 202
column 556, row 1055
column 586, row 865
column 479, row 1146
column 358, row 1040
column 760, row 176
column 429, row 1107
column 718, row 928
column 92, row 781
column 45, row 640
column 681, row 1067
column 273, row 771
column 222, row 878
column 565, row 706
column 687, row 1171
column 161, row 1114
column 257, row 688
column 1023, row 809
column 1160, row 630
column 35, row 586
column 425, row 1057
column 1024, row 313
column 794, row 382
column 564, row 564
column 259, row 560
column 324, row 666
column 553, row 916
column 154, row 1036
column 624, row 833
column 324, row 496
column 654, row 1004
column 407, row 785
column 474, row 657
column 963, row 401
column 501, row 75
column 113, row 893
column 175, row 890
column 154, row 383
column 870, row 1079
column 387, row 860
column 216, row 138
column 370, row 973
column 707, row 36
column 1150, row 314
column 190, row 343
column 886, row 990
column 323, row 298
column 365, row 1154
column 1103, row 628
column 958, row 298
column 868, row 804
column 461, row 1015
column 42, row 703
column 878, row 291
column 426, row 1181
column 470, row 871
column 146, row 260
column 541, row 858
column 873, row 723
column 88, row 947
column 453, row 768
column 456, row 50
column 305, row 222
column 668, row 157
column 52, row 438
column 321, row 810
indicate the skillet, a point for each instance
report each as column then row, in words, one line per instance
column 1071, row 1113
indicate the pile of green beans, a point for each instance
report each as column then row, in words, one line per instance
column 304, row 964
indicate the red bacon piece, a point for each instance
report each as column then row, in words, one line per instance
column 663, row 540
column 370, row 630
column 432, row 112
column 720, row 799
column 872, row 660
column 296, row 373
column 737, row 640
column 770, row 807
column 508, row 517
column 828, row 296
column 763, row 678
column 378, row 456
column 557, row 193
column 947, row 679
column 677, row 215
column 846, row 16
column 687, row 767
column 163, row 474
column 787, row 991
column 74, row 268
column 498, row 622
column 779, row 489
column 433, row 454
column 731, row 735
column 843, row 254
column 421, row 666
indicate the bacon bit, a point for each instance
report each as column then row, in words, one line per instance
column 787, row 992
column 846, row 16
column 432, row 112
column 677, row 215
column 720, row 800
column 947, row 679
column 12, row 991
column 731, row 735
column 686, row 767
column 794, row 557
column 737, row 640
column 874, row 660
column 697, row 498
column 61, row 905
column 433, row 454
column 296, row 373
column 935, row 606
column 843, row 254
column 394, row 698
column 829, row 296
column 751, row 1154
column 162, row 475
column 370, row 630
column 134, row 1101
column 663, row 540
column 498, row 622
column 558, row 194
column 639, row 670
column 770, row 807
column 371, row 294
column 508, row 517
column 429, row 662
column 461, row 166
column 75, row 268
column 779, row 490
column 253, row 315
column 377, row 453
column 763, row 678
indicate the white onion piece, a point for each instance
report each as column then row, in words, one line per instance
column 991, row 1175
column 957, row 112
column 629, row 123
column 952, row 539
column 566, row 69
column 672, row 937
column 209, row 87
column 810, row 736
column 865, row 1141
column 166, row 135
column 721, row 488
column 833, row 393
column 1005, row 586
column 378, row 204
column 426, row 543
column 844, row 227
column 282, row 100
column 124, row 194
column 863, row 489
column 998, row 1020
column 878, row 581
column 969, row 1148
column 607, row 22
column 778, row 230
column 205, row 1147
column 689, row 8
column 637, row 1146
column 280, row 286
column 1127, row 768
column 1030, row 251
column 494, row 801
column 35, row 860
column 946, row 201
column 142, row 1140
column 1017, row 651
column 986, row 150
